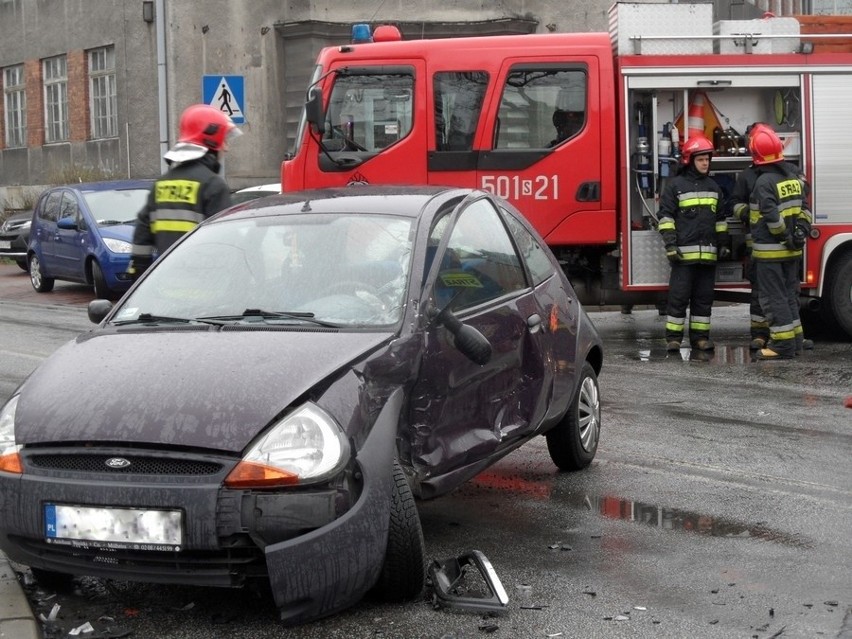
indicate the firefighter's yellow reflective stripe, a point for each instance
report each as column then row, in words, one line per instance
column 687, row 200
column 176, row 192
column 694, row 253
column 789, row 188
column 668, row 225
column 782, row 333
column 741, row 210
column 177, row 214
column 176, row 226
column 778, row 227
column 674, row 328
column 460, row 279
column 761, row 251
column 696, row 325
column 722, row 227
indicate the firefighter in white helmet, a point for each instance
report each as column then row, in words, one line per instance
column 190, row 191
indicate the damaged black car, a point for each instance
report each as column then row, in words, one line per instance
column 272, row 397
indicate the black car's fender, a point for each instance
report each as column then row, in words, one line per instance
column 332, row 567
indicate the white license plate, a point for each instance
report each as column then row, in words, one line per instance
column 113, row 527
column 5, row 245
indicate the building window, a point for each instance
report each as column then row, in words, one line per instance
column 102, row 92
column 15, row 102
column 55, row 99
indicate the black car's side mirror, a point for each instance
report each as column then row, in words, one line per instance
column 470, row 342
column 98, row 310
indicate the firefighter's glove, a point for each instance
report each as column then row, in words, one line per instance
column 673, row 254
column 799, row 236
column 795, row 240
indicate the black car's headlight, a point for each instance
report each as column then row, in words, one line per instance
column 305, row 447
column 10, row 460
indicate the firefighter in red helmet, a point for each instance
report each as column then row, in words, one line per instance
column 780, row 223
column 692, row 223
column 739, row 201
column 190, row 191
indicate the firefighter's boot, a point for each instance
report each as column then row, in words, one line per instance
column 703, row 344
column 757, row 343
column 672, row 346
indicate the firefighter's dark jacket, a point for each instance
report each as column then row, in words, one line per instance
column 692, row 217
column 777, row 211
column 181, row 199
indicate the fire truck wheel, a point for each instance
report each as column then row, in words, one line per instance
column 573, row 442
column 839, row 287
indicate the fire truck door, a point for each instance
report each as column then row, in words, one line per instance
column 541, row 145
column 369, row 133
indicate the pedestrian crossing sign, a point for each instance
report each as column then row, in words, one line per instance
column 226, row 93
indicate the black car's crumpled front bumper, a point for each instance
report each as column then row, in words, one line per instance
column 312, row 575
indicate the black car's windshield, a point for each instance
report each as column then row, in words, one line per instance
column 317, row 269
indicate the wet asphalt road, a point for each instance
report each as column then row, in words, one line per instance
column 719, row 505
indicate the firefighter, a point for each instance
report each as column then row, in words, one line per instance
column 692, row 223
column 739, row 200
column 779, row 226
column 190, row 191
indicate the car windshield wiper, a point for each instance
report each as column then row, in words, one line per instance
column 262, row 314
column 148, row 318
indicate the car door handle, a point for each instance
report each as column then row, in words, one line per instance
column 534, row 322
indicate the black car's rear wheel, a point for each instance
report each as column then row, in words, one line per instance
column 573, row 442
column 40, row 283
column 404, row 571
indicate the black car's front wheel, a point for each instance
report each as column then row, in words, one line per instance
column 403, row 574
column 573, row 442
column 40, row 283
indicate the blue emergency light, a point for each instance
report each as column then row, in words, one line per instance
column 361, row 33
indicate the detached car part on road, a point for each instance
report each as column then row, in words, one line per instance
column 294, row 373
column 84, row 233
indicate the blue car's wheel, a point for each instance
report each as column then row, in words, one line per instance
column 404, row 571
column 102, row 291
column 573, row 442
column 40, row 283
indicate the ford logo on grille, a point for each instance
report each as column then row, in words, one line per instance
column 117, row 462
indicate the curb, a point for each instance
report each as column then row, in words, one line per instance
column 17, row 620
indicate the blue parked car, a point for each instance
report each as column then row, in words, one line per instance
column 83, row 233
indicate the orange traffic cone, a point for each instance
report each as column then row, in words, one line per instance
column 695, row 117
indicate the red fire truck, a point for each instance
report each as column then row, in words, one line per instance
column 581, row 130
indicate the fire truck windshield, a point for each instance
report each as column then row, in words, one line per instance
column 368, row 112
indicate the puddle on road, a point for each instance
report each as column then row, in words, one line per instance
column 541, row 488
column 676, row 519
column 722, row 356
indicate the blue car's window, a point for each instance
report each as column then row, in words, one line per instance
column 51, row 208
column 480, row 263
column 350, row 270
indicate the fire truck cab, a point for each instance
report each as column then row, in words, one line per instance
column 581, row 130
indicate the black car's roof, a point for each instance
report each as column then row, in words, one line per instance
column 393, row 199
